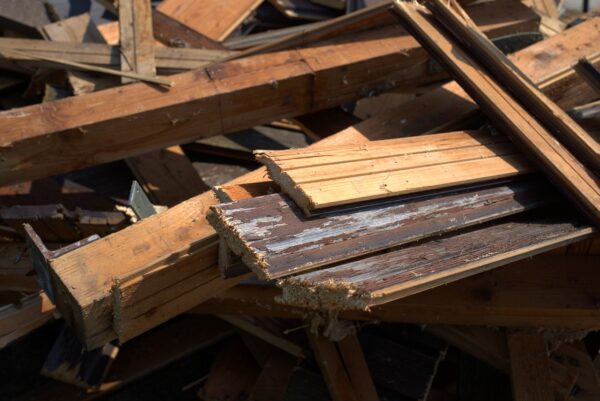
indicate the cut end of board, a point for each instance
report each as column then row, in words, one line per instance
column 233, row 238
column 333, row 295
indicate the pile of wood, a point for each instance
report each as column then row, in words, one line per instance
column 299, row 200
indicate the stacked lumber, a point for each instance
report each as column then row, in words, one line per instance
column 299, row 200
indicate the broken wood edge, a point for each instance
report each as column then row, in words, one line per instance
column 340, row 294
column 232, row 237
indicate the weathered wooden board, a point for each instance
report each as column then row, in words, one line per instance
column 390, row 276
column 554, row 291
column 341, row 176
column 558, row 163
column 555, row 119
column 215, row 19
column 215, row 100
column 275, row 240
column 24, row 17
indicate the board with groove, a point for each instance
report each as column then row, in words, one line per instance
column 336, row 176
column 275, row 240
column 390, row 276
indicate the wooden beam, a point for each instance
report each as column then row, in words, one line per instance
column 289, row 243
column 574, row 179
column 555, row 119
column 215, row 100
column 136, row 38
column 530, row 367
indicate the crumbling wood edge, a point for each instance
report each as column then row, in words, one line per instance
column 41, row 257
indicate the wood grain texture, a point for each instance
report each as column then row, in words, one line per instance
column 547, row 63
column 393, row 275
column 275, row 240
column 555, row 119
column 553, row 291
column 215, row 19
column 165, row 252
column 333, row 177
column 167, row 59
column 215, row 100
column 530, row 367
column 136, row 38
column 573, row 178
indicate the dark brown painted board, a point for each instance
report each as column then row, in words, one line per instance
column 275, row 239
column 389, row 276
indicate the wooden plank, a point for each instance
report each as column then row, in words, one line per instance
column 214, row 101
column 136, row 38
column 575, row 355
column 386, row 277
column 215, row 19
column 274, row 378
column 167, row 59
column 167, row 176
column 555, row 119
column 530, row 368
column 171, row 257
column 275, row 240
column 332, row 368
column 547, row 63
column 528, row 293
column 578, row 182
column 32, row 312
column 334, row 177
column 356, row 366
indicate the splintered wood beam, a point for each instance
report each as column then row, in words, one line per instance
column 137, row 118
column 555, row 119
column 216, row 19
column 528, row 293
column 389, row 276
column 574, row 179
column 275, row 240
column 136, row 38
column 530, row 367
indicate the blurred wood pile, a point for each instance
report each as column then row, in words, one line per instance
column 300, row 199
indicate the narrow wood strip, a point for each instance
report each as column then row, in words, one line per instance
column 276, row 240
column 390, row 276
column 136, row 38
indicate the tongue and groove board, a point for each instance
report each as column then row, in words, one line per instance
column 324, row 178
column 389, row 276
column 538, row 144
column 216, row 19
column 275, row 240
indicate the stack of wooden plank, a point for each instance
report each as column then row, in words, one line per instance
column 299, row 199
